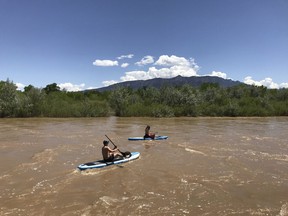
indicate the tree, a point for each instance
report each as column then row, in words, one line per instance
column 51, row 88
column 28, row 88
column 34, row 99
column 8, row 99
column 119, row 100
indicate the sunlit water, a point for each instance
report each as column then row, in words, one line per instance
column 208, row 166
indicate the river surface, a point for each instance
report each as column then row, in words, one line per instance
column 207, row 166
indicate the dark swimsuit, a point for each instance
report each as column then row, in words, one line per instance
column 147, row 136
column 110, row 159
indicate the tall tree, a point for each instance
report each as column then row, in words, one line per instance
column 51, row 88
column 8, row 98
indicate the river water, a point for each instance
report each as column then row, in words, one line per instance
column 207, row 166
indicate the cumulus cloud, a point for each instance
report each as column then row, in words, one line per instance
column 283, row 85
column 165, row 67
column 267, row 82
column 219, row 74
column 145, row 60
column 20, row 86
column 124, row 65
column 126, row 56
column 171, row 67
column 105, row 63
column 248, row 80
column 172, row 60
column 72, row 87
column 110, row 82
column 135, row 75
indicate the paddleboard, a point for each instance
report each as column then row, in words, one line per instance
column 102, row 163
column 142, row 138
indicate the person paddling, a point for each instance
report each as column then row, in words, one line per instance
column 148, row 134
column 109, row 154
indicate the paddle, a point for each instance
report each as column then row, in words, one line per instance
column 125, row 154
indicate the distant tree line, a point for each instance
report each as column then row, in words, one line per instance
column 207, row 100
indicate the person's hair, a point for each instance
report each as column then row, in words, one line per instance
column 105, row 142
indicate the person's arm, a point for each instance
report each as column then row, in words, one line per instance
column 112, row 150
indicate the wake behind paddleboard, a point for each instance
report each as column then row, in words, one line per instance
column 142, row 138
column 102, row 163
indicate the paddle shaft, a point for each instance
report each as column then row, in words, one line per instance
column 113, row 144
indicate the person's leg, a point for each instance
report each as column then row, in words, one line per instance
column 117, row 154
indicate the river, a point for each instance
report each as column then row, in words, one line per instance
column 207, row 166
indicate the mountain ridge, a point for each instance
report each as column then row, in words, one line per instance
column 195, row 81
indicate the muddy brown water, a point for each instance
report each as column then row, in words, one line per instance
column 207, row 166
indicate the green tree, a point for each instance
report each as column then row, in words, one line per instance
column 119, row 100
column 51, row 88
column 34, row 100
column 8, row 99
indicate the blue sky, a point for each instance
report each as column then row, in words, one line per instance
column 82, row 44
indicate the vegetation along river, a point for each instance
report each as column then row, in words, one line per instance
column 207, row 166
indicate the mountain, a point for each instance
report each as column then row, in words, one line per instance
column 195, row 81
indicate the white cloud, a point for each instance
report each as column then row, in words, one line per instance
column 219, row 74
column 267, row 82
column 90, row 88
column 124, row 65
column 135, row 75
column 105, row 63
column 145, row 60
column 20, row 86
column 283, row 85
column 172, row 66
column 167, row 67
column 110, row 82
column 249, row 81
column 173, row 60
column 126, row 56
column 72, row 87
